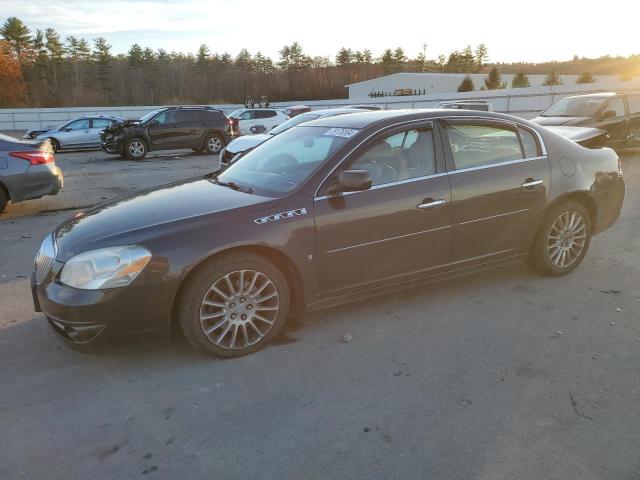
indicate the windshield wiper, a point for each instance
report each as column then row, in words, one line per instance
column 232, row 185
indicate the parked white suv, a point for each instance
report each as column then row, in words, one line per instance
column 250, row 117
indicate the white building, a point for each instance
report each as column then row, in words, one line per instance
column 438, row 83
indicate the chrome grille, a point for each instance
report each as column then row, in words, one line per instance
column 44, row 259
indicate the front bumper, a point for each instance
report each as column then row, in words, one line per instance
column 92, row 316
column 111, row 144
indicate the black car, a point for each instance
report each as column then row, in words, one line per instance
column 616, row 113
column 171, row 128
column 329, row 211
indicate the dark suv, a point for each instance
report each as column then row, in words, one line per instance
column 199, row 128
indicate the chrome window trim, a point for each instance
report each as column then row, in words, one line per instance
column 543, row 148
column 497, row 164
column 383, row 185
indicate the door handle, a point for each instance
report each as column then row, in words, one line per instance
column 429, row 203
column 530, row 182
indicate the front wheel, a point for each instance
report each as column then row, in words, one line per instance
column 135, row 149
column 562, row 240
column 213, row 144
column 234, row 305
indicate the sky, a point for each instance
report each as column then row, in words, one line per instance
column 534, row 31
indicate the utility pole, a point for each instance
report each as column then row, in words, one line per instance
column 424, row 57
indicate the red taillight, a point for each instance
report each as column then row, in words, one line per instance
column 34, row 157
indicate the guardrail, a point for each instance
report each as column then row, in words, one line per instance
column 523, row 102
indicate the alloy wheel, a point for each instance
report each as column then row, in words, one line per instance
column 567, row 238
column 239, row 309
column 214, row 145
column 136, row 148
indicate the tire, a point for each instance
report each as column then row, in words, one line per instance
column 213, row 143
column 565, row 228
column 4, row 199
column 218, row 309
column 55, row 145
column 135, row 149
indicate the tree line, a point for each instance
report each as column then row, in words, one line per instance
column 41, row 69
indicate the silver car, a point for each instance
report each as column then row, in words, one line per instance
column 27, row 170
column 83, row 132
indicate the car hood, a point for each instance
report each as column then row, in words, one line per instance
column 247, row 142
column 134, row 218
column 556, row 121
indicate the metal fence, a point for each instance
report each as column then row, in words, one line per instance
column 523, row 102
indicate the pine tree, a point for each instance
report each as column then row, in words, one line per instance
column 17, row 36
column 399, row 56
column 494, row 80
column 134, row 56
column 520, row 80
column 552, row 78
column 482, row 54
column 466, row 85
column 586, row 77
column 345, row 56
column 103, row 58
column 203, row 55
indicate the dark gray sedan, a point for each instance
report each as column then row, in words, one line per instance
column 27, row 170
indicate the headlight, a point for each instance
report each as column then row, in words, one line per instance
column 105, row 268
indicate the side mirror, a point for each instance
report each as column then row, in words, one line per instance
column 352, row 181
column 153, row 123
column 608, row 114
column 67, row 129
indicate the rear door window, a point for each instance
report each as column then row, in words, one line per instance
column 475, row 145
column 79, row 124
column 633, row 102
column 185, row 116
column 616, row 105
column 529, row 143
column 265, row 114
column 100, row 123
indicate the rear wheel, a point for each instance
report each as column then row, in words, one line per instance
column 55, row 145
column 135, row 149
column 562, row 240
column 234, row 305
column 213, row 143
column 4, row 199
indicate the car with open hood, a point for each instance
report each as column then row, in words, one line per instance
column 200, row 128
column 332, row 210
column 79, row 133
column 616, row 113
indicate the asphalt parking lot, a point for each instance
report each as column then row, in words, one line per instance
column 500, row 375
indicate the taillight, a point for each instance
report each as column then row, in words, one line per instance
column 34, row 157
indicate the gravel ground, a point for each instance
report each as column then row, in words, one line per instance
column 500, row 375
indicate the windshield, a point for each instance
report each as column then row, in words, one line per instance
column 575, row 107
column 284, row 162
column 149, row 116
column 305, row 117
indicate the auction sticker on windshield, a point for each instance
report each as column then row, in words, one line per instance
column 341, row 132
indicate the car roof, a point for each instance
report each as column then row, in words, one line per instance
column 596, row 95
column 363, row 119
